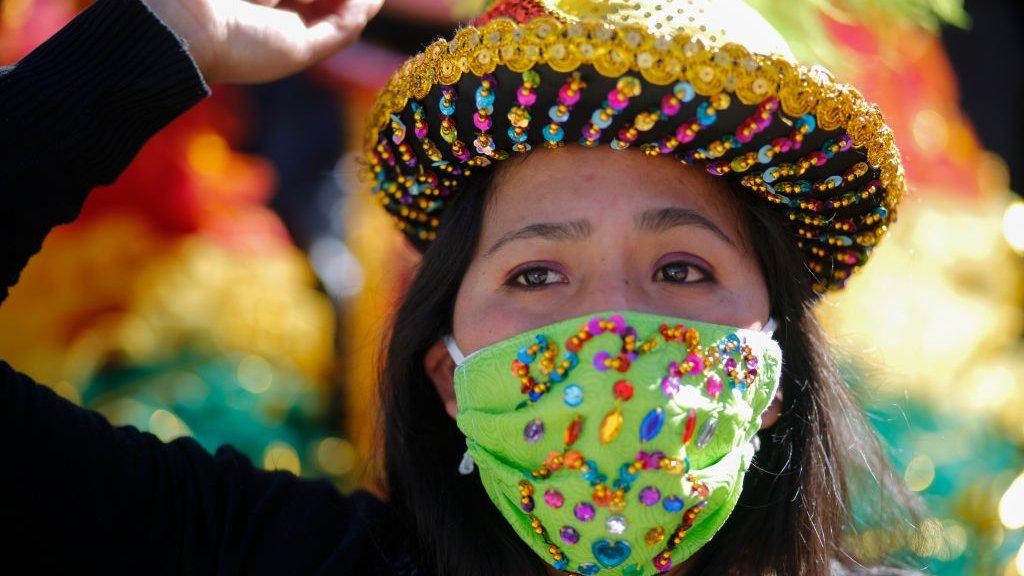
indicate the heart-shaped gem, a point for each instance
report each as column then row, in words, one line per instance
column 611, row 554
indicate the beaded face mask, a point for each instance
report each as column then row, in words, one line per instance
column 616, row 443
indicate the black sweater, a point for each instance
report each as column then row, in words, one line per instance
column 77, row 494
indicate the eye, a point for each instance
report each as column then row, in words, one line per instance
column 535, row 277
column 680, row 272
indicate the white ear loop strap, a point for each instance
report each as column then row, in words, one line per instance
column 453, row 350
column 770, row 327
column 466, row 465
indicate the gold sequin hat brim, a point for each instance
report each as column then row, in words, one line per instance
column 708, row 81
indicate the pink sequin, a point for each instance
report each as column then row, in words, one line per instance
column 696, row 362
column 554, row 498
column 714, row 385
column 568, row 97
column 670, row 105
column 525, row 97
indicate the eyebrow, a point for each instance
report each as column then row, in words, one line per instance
column 574, row 230
column 655, row 220
column 663, row 219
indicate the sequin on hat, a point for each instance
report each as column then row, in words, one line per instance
column 709, row 82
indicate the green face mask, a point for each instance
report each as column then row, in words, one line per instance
column 616, row 443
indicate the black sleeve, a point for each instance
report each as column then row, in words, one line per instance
column 75, row 111
column 77, row 494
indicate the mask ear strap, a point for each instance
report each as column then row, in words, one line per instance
column 770, row 327
column 453, row 350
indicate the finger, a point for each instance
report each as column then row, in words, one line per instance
column 270, row 3
column 341, row 28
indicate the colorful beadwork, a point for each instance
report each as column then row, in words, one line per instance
column 568, row 95
column 670, row 105
column 519, row 115
column 734, row 356
column 688, row 70
column 449, row 132
column 484, row 142
column 585, row 506
column 617, row 100
column 731, row 354
column 526, row 504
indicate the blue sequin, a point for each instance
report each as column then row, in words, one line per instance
column 483, row 100
column 592, row 474
column 517, row 136
column 600, row 122
column 651, row 424
column 706, row 115
column 525, row 357
column 558, row 115
column 557, row 136
column 826, row 148
column 684, row 91
column 807, row 120
column 672, row 503
column 572, row 395
column 626, row 475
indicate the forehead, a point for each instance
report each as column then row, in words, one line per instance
column 601, row 184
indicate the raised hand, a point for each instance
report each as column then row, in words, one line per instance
column 239, row 41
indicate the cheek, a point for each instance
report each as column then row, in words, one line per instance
column 746, row 302
column 480, row 322
column 482, row 315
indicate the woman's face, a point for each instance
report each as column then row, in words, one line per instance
column 572, row 231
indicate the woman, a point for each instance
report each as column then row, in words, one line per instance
column 597, row 345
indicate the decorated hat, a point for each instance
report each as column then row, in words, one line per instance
column 708, row 82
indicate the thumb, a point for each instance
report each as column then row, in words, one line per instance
column 338, row 30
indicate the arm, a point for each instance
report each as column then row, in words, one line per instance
column 75, row 111
column 77, row 494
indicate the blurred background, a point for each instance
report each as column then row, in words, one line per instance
column 236, row 282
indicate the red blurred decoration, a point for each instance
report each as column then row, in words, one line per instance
column 518, row 10
column 905, row 70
